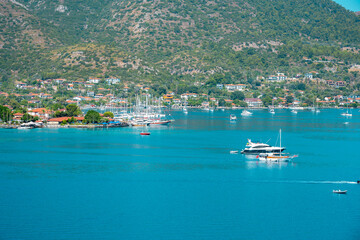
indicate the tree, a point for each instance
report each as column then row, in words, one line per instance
column 222, row 102
column 108, row 114
column 92, row 117
column 266, row 100
column 72, row 110
column 237, row 95
column 26, row 118
column 5, row 114
column 289, row 99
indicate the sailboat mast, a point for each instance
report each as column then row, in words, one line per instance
column 280, row 141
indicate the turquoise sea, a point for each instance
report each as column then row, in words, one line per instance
column 181, row 182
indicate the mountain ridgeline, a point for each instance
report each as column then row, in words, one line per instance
column 173, row 40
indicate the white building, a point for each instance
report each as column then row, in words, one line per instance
column 280, row 77
column 94, row 80
column 235, row 87
column 112, row 81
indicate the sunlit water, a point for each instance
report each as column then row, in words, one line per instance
column 181, row 182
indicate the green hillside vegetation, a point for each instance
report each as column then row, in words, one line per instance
column 169, row 42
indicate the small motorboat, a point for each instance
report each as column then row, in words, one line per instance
column 144, row 133
column 340, row 191
column 233, row 117
column 234, row 152
column 294, row 111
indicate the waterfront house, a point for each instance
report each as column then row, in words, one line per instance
column 17, row 117
column 42, row 113
column 253, row 102
column 220, row 86
column 59, row 120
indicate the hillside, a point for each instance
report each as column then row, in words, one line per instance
column 183, row 39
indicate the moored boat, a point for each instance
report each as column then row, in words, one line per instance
column 340, row 191
column 233, row 117
column 144, row 133
column 257, row 148
column 276, row 157
column 246, row 113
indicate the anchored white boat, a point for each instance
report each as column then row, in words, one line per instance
column 246, row 113
column 258, row 148
column 294, row 111
column 233, row 117
column 277, row 156
column 347, row 113
column 340, row 191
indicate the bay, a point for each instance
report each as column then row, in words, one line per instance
column 181, row 182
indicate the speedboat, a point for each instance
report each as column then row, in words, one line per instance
column 144, row 133
column 246, row 113
column 294, row 111
column 257, row 148
column 272, row 111
column 233, row 117
column 340, row 191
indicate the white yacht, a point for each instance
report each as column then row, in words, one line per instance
column 272, row 111
column 257, row 148
column 246, row 113
column 294, row 111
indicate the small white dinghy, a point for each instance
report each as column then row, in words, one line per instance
column 340, row 191
column 234, row 152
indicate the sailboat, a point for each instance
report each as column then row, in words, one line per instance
column 276, row 157
column 271, row 109
column 347, row 114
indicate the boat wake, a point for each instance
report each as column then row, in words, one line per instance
column 311, row 182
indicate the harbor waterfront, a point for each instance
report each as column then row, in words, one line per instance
column 181, row 182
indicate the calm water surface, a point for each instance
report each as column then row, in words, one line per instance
column 181, row 182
